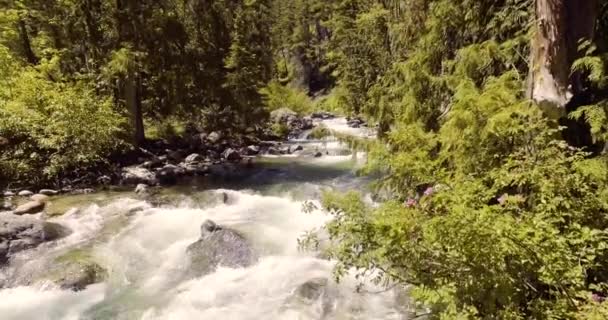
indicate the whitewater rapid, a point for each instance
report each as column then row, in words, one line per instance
column 143, row 247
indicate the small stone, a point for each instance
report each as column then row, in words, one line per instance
column 298, row 148
column 25, row 193
column 9, row 194
column 40, row 197
column 48, row 192
column 214, row 137
column 318, row 154
column 31, row 207
column 193, row 158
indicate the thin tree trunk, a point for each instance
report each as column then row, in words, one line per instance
column 25, row 42
column 132, row 98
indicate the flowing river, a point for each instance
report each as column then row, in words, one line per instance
column 142, row 245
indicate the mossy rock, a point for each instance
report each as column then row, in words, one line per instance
column 76, row 270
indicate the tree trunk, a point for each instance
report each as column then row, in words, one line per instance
column 25, row 42
column 559, row 26
column 132, row 97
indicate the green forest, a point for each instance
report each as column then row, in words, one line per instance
column 491, row 116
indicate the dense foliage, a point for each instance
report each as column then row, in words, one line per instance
column 493, row 210
column 489, row 213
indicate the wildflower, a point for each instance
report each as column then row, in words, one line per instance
column 597, row 298
column 503, row 199
column 429, row 191
column 411, row 202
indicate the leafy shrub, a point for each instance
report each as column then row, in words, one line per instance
column 320, row 132
column 53, row 127
column 277, row 96
column 280, row 129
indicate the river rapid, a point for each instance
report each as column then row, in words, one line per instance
column 142, row 245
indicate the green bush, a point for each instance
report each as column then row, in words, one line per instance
column 53, row 127
column 277, row 96
column 320, row 132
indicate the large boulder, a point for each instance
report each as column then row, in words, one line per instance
column 31, row 207
column 219, row 246
column 137, row 175
column 21, row 233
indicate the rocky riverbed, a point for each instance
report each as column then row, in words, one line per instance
column 207, row 246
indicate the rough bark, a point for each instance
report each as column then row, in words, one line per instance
column 560, row 26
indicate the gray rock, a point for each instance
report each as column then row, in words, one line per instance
column 318, row 154
column 22, row 233
column 141, row 189
column 137, row 175
column 252, row 150
column 104, row 180
column 219, row 246
column 31, row 207
column 214, row 137
column 40, row 198
column 48, row 192
column 9, row 194
column 25, row 193
column 194, row 158
column 77, row 276
column 298, row 148
column 231, row 155
column 170, row 173
column 176, row 156
column 273, row 151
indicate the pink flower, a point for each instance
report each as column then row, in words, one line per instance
column 411, row 202
column 429, row 191
column 597, row 298
column 503, row 199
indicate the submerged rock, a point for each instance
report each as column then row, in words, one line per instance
column 312, row 289
column 21, row 233
column 31, row 207
column 219, row 246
